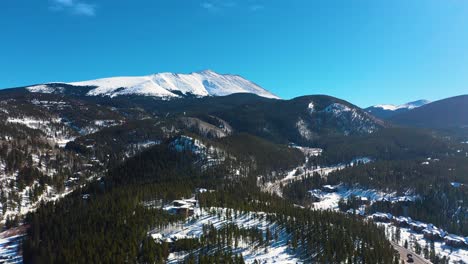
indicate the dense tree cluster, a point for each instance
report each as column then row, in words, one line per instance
column 311, row 231
column 386, row 144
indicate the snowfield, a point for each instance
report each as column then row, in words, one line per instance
column 167, row 85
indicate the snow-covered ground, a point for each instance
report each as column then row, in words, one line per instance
column 9, row 248
column 53, row 128
column 277, row 251
column 209, row 155
column 303, row 171
column 329, row 200
column 133, row 149
column 344, row 114
column 147, row 144
column 308, row 152
column 456, row 255
column 19, row 201
column 26, row 205
column 10, row 245
column 98, row 125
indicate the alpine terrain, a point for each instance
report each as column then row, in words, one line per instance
column 212, row 168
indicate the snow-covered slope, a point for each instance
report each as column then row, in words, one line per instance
column 166, row 85
column 389, row 110
column 276, row 252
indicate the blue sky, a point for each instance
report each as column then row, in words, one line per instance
column 364, row 51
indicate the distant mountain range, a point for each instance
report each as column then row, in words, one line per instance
column 348, row 119
column 385, row 111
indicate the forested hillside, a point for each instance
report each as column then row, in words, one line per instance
column 71, row 230
column 106, row 179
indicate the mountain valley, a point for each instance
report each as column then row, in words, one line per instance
column 89, row 169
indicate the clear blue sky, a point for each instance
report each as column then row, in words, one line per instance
column 367, row 52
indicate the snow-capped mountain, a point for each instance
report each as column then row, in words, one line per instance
column 389, row 110
column 409, row 106
column 446, row 113
column 163, row 85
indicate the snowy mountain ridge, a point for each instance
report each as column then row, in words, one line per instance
column 386, row 111
column 409, row 106
column 165, row 85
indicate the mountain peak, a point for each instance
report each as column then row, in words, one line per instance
column 408, row 106
column 415, row 104
column 388, row 110
column 167, row 85
column 208, row 71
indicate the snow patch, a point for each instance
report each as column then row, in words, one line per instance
column 310, row 107
column 52, row 127
column 209, row 155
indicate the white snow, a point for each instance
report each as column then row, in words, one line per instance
column 277, row 251
column 456, row 184
column 52, row 127
column 310, row 107
column 43, row 88
column 303, row 171
column 208, row 155
column 302, row 126
column 303, row 129
column 148, row 143
column 9, row 249
column 415, row 230
column 360, row 121
column 388, row 107
column 456, row 255
column 32, row 122
column 409, row 106
column 309, row 151
column 329, row 200
column 168, row 85
column 337, row 108
column 97, row 125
